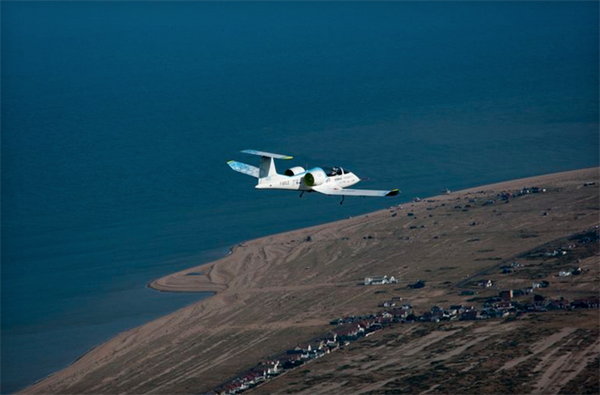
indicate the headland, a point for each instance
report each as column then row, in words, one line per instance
column 275, row 292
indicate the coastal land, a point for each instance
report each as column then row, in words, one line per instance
column 278, row 291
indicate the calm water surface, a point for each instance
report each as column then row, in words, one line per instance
column 118, row 119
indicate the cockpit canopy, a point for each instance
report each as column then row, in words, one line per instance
column 335, row 171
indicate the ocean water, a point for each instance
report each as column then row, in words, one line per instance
column 118, row 120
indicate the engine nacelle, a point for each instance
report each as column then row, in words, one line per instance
column 315, row 177
column 294, row 171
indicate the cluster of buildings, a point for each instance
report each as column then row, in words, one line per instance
column 346, row 330
column 505, row 196
column 503, row 306
column 351, row 328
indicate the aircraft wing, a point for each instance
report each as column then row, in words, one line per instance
column 244, row 168
column 328, row 189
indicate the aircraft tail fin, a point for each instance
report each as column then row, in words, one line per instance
column 267, row 162
column 267, row 167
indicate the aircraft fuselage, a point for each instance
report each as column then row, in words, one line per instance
column 297, row 182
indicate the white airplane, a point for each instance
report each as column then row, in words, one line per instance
column 325, row 180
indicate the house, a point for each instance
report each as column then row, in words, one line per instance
column 486, row 313
column 317, row 345
column 295, row 350
column 506, row 295
column 544, row 284
column 418, row 284
column 247, row 379
column 486, row 283
column 564, row 273
column 377, row 280
column 300, row 349
column 400, row 312
column 380, row 280
column 258, row 376
column 386, row 316
column 457, row 309
column 273, row 367
column 293, row 361
column 331, row 341
column 504, row 305
column 331, row 344
column 305, row 355
column 468, row 315
column 411, row 318
column 230, row 388
column 349, row 332
column 560, row 304
column 431, row 317
column 585, row 303
column 554, row 253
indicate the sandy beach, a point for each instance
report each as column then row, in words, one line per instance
column 274, row 292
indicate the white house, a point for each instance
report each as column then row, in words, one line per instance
column 486, row 284
column 380, row 280
column 273, row 368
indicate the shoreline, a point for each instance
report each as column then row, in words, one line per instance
column 175, row 282
column 247, row 284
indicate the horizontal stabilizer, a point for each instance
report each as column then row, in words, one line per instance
column 244, row 168
column 267, row 154
column 336, row 190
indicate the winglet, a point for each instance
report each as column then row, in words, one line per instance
column 393, row 192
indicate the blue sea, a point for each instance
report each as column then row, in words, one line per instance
column 118, row 119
